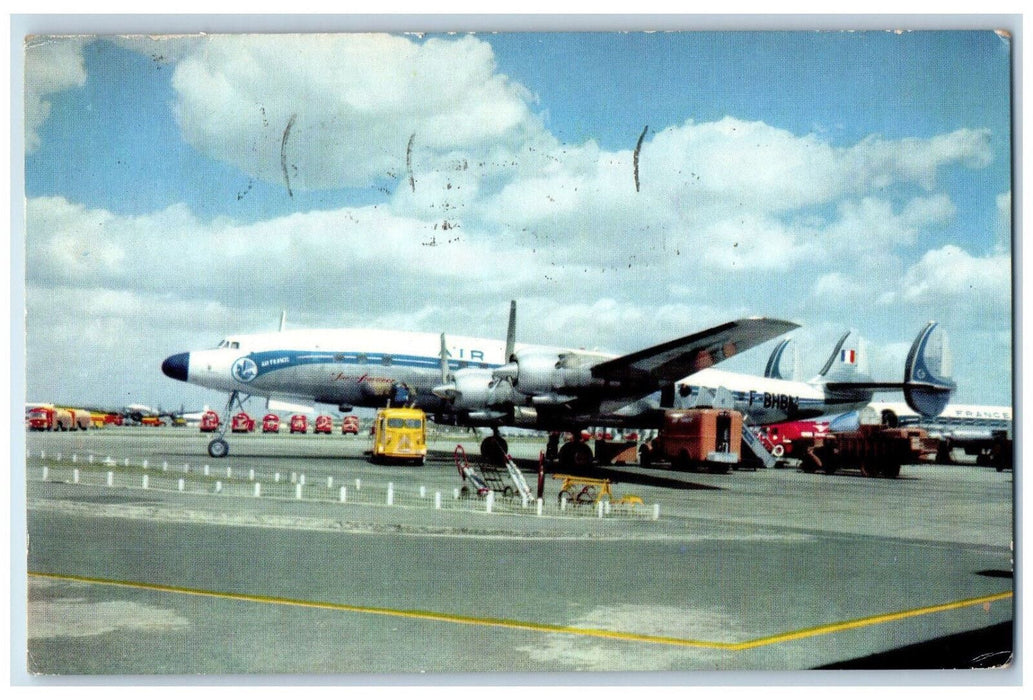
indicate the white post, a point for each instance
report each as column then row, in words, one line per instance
column 344, row 494
column 145, row 464
column 164, row 466
column 125, row 462
column 88, row 459
column 75, row 476
column 186, row 468
column 538, row 508
column 390, row 493
column 218, row 487
column 656, row 511
column 46, row 473
column 111, row 478
column 329, row 482
column 75, row 458
column 523, row 501
column 606, row 507
column 277, row 479
column 358, row 484
column 489, row 501
column 301, row 480
column 437, row 500
column 599, row 509
column 43, row 454
column 229, row 472
column 145, row 481
column 181, row 484
column 251, row 475
column 258, row 489
column 423, row 492
column 563, row 504
column 297, row 492
column 455, row 494
column 206, row 470
column 294, row 477
column 57, row 458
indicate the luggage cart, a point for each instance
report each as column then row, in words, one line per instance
column 487, row 477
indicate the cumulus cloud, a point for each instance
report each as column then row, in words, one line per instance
column 50, row 66
column 353, row 102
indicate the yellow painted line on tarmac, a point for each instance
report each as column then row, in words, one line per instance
column 539, row 626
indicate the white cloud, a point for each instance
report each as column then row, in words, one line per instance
column 51, row 65
column 353, row 102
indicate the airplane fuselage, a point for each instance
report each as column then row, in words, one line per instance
column 363, row 367
column 764, row 401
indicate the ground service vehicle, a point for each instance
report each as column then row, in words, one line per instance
column 271, row 423
column 778, row 439
column 324, row 424
column 299, row 424
column 875, row 450
column 697, row 438
column 50, row 418
column 400, row 434
column 350, row 425
column 209, row 422
column 242, row 423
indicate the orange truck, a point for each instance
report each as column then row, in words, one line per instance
column 696, row 439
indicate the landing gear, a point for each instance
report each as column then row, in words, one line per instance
column 494, row 448
column 218, row 447
column 576, row 455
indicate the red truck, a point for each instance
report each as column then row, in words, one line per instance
column 242, row 423
column 209, row 422
column 324, row 424
column 50, row 418
column 778, row 438
column 271, row 423
column 299, row 424
column 350, row 425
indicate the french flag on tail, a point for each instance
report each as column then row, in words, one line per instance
column 848, row 357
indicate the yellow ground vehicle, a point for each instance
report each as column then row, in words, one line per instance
column 400, row 434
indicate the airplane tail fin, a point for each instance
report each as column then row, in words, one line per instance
column 927, row 384
column 784, row 362
column 848, row 363
column 927, row 372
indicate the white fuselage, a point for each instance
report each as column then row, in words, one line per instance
column 348, row 367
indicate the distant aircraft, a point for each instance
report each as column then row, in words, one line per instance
column 483, row 382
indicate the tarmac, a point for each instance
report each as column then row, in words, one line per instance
column 294, row 555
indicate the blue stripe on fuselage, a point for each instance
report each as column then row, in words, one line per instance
column 272, row 360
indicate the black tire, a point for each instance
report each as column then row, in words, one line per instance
column 494, row 450
column 217, row 449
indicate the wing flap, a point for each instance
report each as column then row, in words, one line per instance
column 675, row 359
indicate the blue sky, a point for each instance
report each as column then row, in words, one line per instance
column 836, row 179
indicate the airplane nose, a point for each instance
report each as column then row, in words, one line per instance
column 177, row 366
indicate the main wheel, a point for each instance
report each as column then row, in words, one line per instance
column 218, row 448
column 494, row 449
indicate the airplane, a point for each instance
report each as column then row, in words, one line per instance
column 843, row 384
column 482, row 382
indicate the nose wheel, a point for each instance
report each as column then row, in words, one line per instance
column 218, row 448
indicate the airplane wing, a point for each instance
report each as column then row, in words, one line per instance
column 673, row 360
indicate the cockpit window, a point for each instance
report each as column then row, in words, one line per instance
column 229, row 344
